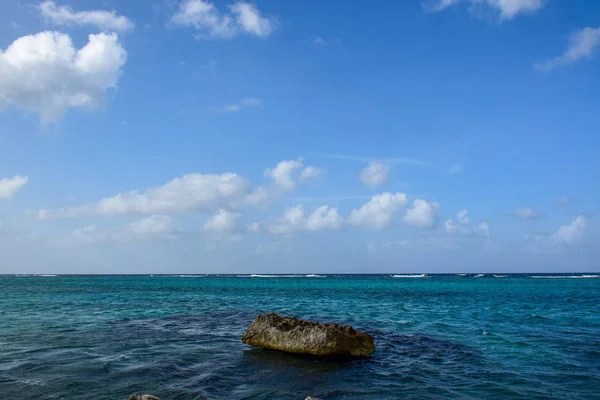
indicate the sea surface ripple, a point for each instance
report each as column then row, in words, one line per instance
column 459, row 337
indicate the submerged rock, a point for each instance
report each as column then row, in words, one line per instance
column 294, row 335
column 142, row 397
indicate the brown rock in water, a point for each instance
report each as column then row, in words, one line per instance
column 295, row 335
column 142, row 397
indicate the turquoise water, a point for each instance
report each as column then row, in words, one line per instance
column 103, row 337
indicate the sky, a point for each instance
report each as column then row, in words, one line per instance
column 190, row 136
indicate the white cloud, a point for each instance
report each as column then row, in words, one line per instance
column 310, row 172
column 483, row 229
column 254, row 227
column 582, row 45
column 570, row 234
column 249, row 19
column 211, row 67
column 527, row 213
column 455, row 169
column 88, row 234
column 291, row 221
column 64, row 16
column 423, row 214
column 147, row 228
column 211, row 23
column 375, row 174
column 224, row 222
column 392, row 160
column 460, row 226
column 508, row 9
column 45, row 74
column 286, row 173
column 190, row 193
column 154, row 224
column 463, row 216
column 320, row 41
column 379, row 211
column 248, row 102
column 294, row 220
column 324, row 218
column 10, row 186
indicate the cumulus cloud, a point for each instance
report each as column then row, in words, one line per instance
column 189, row 193
column 64, row 16
column 154, row 224
column 571, row 234
column 527, row 213
column 286, row 173
column 88, row 234
column 508, row 9
column 254, row 227
column 324, row 218
column 582, row 45
column 294, row 220
column 463, row 216
column 225, row 222
column 482, row 229
column 310, row 172
column 194, row 192
column 379, row 211
column 461, row 226
column 10, row 186
column 375, row 174
column 423, row 214
column 45, row 74
column 242, row 18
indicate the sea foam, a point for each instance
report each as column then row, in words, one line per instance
column 565, row 276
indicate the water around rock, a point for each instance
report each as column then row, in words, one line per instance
column 142, row 397
column 295, row 335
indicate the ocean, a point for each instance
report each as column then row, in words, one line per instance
column 529, row 336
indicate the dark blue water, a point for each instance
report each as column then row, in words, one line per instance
column 103, row 337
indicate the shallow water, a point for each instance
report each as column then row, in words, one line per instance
column 178, row 337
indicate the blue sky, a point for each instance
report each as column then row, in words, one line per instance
column 232, row 137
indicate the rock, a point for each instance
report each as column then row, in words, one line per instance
column 142, row 397
column 295, row 335
column 311, row 398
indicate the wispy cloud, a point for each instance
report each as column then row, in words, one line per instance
column 582, row 44
column 210, row 66
column 320, row 41
column 64, row 16
column 508, row 9
column 242, row 18
column 330, row 199
column 564, row 200
column 455, row 169
column 247, row 102
column 527, row 214
column 367, row 160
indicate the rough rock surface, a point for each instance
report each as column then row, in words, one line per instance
column 295, row 335
column 142, row 397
